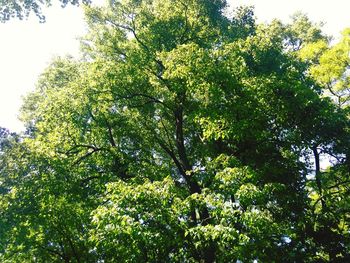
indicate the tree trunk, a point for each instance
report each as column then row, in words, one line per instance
column 194, row 187
column 318, row 174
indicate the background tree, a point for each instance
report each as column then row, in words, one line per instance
column 329, row 67
column 21, row 9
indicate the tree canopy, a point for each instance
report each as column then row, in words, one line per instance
column 182, row 135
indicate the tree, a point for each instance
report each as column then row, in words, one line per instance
column 183, row 136
column 328, row 66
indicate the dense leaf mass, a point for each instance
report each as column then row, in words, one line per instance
column 183, row 135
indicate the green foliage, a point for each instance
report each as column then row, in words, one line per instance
column 330, row 67
column 182, row 135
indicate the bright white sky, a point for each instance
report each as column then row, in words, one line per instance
column 26, row 47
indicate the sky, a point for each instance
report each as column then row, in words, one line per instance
column 27, row 47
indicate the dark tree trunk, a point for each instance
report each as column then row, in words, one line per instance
column 194, row 187
column 318, row 175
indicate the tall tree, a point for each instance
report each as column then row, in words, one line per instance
column 183, row 136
